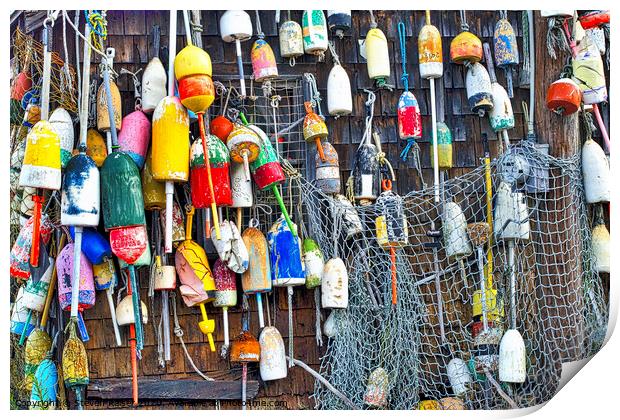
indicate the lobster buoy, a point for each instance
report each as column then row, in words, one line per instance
column 266, row 169
column 264, row 65
column 479, row 91
column 121, row 192
column 455, row 238
column 314, row 31
column 45, row 385
column 36, row 290
column 287, row 266
column 64, row 271
column 452, row 403
column 221, row 127
column 335, row 285
column 377, row 388
column 366, row 173
column 377, row 56
column 135, row 136
column 594, row 18
column 244, row 146
column 327, row 170
column 192, row 68
column 291, row 40
column 512, row 358
column 339, row 98
column 154, row 78
column 125, row 314
column 41, row 164
column 595, row 172
column 219, row 162
column 241, row 187
column 20, row 320
column 96, row 147
column 103, row 116
column 465, row 47
column 350, row 219
column 236, row 26
column 314, row 129
column 105, row 275
column 501, row 116
column 459, row 376
column 314, row 262
column 511, row 214
column 564, row 97
column 600, row 248
column 153, row 192
column 506, row 49
column 391, row 224
column 80, row 197
column 272, row 363
column 589, row 72
column 170, row 150
column 430, row 54
column 225, row 285
column 444, row 146
column 257, row 278
column 339, row 22
column 20, row 252
column 94, row 246
column 197, row 283
column 63, row 126
column 330, row 329
column 409, row 117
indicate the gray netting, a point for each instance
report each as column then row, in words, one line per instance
column 559, row 303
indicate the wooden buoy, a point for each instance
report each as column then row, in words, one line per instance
column 377, row 388
column 335, row 285
column 314, row 30
column 314, row 263
column 153, row 78
column 506, row 48
column 63, row 125
column 339, row 22
column 272, row 362
column 377, row 55
column 19, row 259
column 236, row 26
column 103, row 115
column 153, row 191
column 314, row 129
column 244, row 146
column 225, row 294
column 291, row 40
column 245, row 349
column 135, row 136
column 75, row 365
column 430, row 54
column 596, row 173
column 327, row 172
column 219, row 162
column 96, row 147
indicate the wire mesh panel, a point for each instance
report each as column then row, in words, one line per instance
column 277, row 109
column 439, row 312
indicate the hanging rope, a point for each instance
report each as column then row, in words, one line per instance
column 314, row 93
column 373, row 22
column 259, row 30
column 370, row 112
column 178, row 331
column 98, row 27
column 403, row 54
column 332, row 50
column 464, row 25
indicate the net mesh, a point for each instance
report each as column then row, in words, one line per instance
column 560, row 309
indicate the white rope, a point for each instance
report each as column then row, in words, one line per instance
column 178, row 331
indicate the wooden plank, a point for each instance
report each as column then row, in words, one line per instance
column 161, row 389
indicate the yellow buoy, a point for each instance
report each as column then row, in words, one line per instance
column 103, row 117
column 96, row 146
column 153, row 192
column 170, row 159
column 41, row 167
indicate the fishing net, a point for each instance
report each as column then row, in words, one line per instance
column 561, row 311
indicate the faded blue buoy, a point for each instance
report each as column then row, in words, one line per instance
column 287, row 268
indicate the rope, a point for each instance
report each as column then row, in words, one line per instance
column 464, row 25
column 370, row 112
column 98, row 27
column 259, row 30
column 178, row 332
column 332, row 50
column 373, row 22
column 403, row 53
column 314, row 93
column 78, row 33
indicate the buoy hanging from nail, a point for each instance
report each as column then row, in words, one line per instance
column 219, row 162
column 225, row 294
column 153, row 78
column 291, row 40
column 314, row 30
column 236, row 26
column 506, row 48
column 257, row 278
column 63, row 125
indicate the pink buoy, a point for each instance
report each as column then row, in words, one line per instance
column 135, row 136
column 64, row 270
column 20, row 253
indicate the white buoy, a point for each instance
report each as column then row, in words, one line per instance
column 272, row 355
column 600, row 248
column 512, row 363
column 125, row 314
column 335, row 285
column 596, row 173
column 459, row 376
column 511, row 216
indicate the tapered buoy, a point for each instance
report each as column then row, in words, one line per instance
column 339, row 97
column 236, row 26
column 244, row 146
column 96, row 147
column 351, row 220
column 170, row 150
column 225, row 292
column 512, row 358
column 506, row 49
column 153, row 191
column 291, row 40
column 287, row 267
column 459, row 376
column 409, row 117
column 479, row 91
column 377, row 56
column 377, row 388
column 314, row 32
column 64, row 270
column 121, row 191
column 135, row 136
column 80, row 198
column 444, row 147
column 36, row 290
column 21, row 250
column 589, row 71
column 465, row 47
column 596, row 173
column 41, row 165
column 511, row 214
column 257, row 278
column 45, row 385
column 63, row 126
column 125, row 314
column 335, row 285
column 219, row 162
column 20, row 320
column 455, row 239
column 327, row 173
column 153, row 78
column 314, row 129
column 314, row 262
column 264, row 65
column 601, row 248
column 272, row 355
column 430, row 55
column 103, row 118
column 366, row 173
